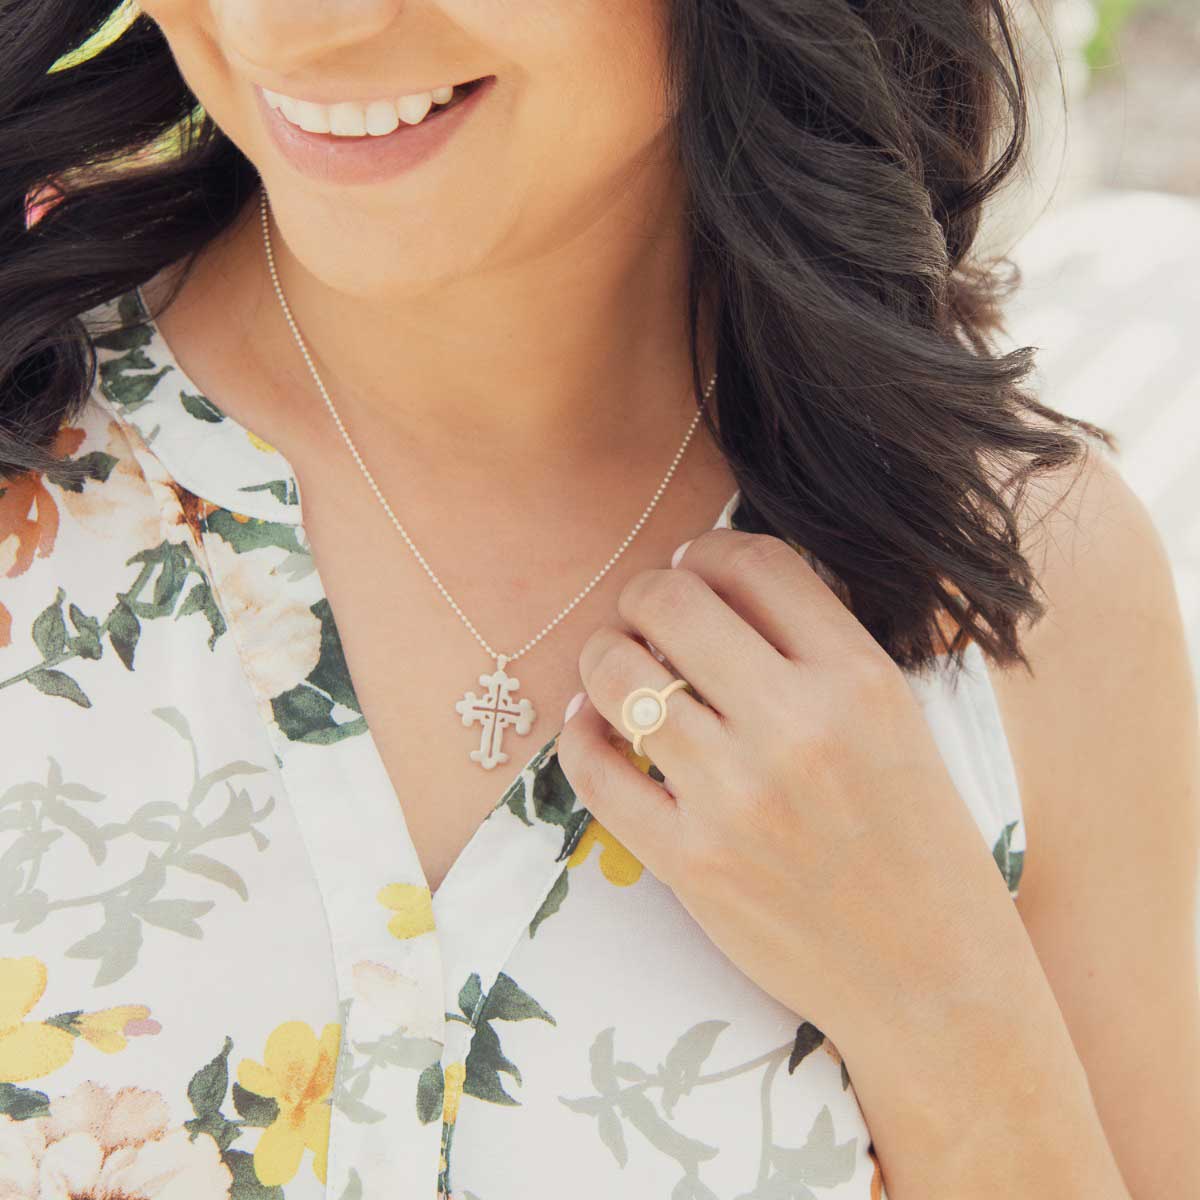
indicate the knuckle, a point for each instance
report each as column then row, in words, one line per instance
column 757, row 552
column 613, row 668
column 870, row 679
column 654, row 596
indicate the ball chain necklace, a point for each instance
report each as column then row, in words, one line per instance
column 497, row 709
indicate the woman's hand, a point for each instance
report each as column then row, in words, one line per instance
column 810, row 827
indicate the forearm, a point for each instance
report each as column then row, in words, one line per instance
column 974, row 1091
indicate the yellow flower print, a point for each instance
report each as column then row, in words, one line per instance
column 455, row 1074
column 260, row 443
column 413, row 906
column 617, row 864
column 28, row 1049
column 107, row 1029
column 297, row 1073
column 31, row 1049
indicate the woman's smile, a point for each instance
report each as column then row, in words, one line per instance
column 351, row 142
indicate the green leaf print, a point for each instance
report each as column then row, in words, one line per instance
column 178, row 829
column 58, row 683
column 544, row 787
column 284, row 490
column 208, row 1086
column 254, row 534
column 691, row 1187
column 246, row 1184
column 681, row 1069
column 96, row 465
column 1008, row 860
column 808, row 1038
column 123, row 386
column 622, row 1095
column 305, row 713
column 353, row 1189
column 201, row 407
column 259, row 1111
column 485, row 1061
column 469, row 996
column 50, row 629
column 430, row 1092
column 821, row 1162
column 507, row 1002
column 23, row 1104
column 552, row 903
column 358, row 1060
column 167, row 568
column 123, row 631
column 133, row 333
column 87, row 642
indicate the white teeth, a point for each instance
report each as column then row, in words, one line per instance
column 412, row 109
column 313, row 117
column 347, row 119
column 381, row 117
column 351, row 119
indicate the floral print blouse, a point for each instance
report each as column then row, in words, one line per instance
column 222, row 973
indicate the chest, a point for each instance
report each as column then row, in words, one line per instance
column 411, row 660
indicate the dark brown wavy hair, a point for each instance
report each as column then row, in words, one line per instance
column 838, row 154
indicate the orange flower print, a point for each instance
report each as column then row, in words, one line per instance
column 97, row 1145
column 617, row 864
column 413, row 905
column 31, row 1049
column 297, row 1073
column 29, row 520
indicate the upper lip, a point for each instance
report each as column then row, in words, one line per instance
column 316, row 96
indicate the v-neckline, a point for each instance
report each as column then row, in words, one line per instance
column 220, row 460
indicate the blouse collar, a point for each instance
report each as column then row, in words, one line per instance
column 204, row 449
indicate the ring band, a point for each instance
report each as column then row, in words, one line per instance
column 645, row 710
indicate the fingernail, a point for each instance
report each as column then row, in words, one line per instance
column 573, row 705
column 679, row 553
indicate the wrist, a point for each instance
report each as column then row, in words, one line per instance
column 977, row 1091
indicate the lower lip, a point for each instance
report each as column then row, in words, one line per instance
column 348, row 160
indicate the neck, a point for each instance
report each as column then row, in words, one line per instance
column 578, row 354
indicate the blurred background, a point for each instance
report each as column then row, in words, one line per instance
column 1105, row 227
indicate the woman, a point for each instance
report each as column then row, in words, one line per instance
column 405, row 326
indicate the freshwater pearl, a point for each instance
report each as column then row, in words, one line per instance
column 646, row 710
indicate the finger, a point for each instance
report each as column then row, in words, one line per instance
column 612, row 664
column 772, row 586
column 728, row 662
column 617, row 790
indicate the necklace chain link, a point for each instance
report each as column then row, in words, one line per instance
column 502, row 660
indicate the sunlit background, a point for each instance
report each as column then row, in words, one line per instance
column 1106, row 231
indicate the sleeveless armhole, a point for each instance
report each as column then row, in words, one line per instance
column 961, row 709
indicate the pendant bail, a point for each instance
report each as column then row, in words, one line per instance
column 501, row 661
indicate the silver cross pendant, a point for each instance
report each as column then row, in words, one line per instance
column 496, row 711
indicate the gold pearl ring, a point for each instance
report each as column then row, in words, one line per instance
column 645, row 710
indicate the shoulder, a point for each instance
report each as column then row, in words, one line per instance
column 1108, row 707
